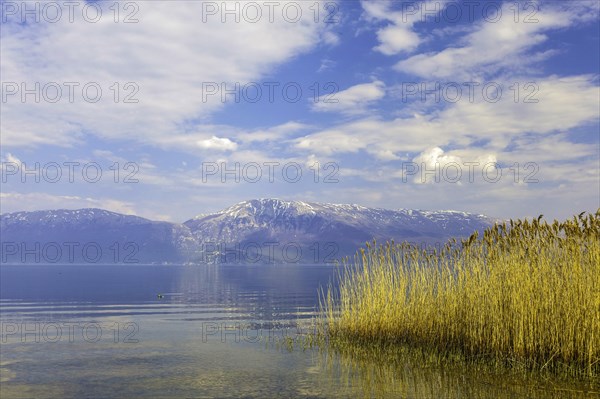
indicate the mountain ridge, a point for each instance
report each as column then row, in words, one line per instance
column 264, row 230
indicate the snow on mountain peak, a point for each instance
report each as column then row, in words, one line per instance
column 307, row 225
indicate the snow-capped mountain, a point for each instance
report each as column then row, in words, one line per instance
column 322, row 232
column 255, row 231
column 89, row 236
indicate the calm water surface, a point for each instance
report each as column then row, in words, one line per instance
column 102, row 332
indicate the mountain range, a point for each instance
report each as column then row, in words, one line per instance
column 254, row 231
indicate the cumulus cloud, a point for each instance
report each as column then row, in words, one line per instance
column 395, row 39
column 216, row 143
column 433, row 166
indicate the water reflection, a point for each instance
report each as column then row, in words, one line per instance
column 188, row 344
column 408, row 374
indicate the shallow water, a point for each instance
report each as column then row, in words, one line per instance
column 102, row 331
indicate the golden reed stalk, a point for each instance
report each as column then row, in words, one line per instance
column 525, row 293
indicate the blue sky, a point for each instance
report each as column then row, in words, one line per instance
column 399, row 105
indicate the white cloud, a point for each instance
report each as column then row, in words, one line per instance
column 216, row 143
column 331, row 38
column 433, row 166
column 326, row 64
column 273, row 134
column 354, row 100
column 344, row 138
column 396, row 39
column 399, row 36
column 564, row 103
column 9, row 165
column 11, row 159
column 168, row 55
column 501, row 44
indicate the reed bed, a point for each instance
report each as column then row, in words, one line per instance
column 526, row 293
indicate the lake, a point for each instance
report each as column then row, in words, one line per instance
column 104, row 332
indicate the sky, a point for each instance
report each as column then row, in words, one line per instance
column 170, row 109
